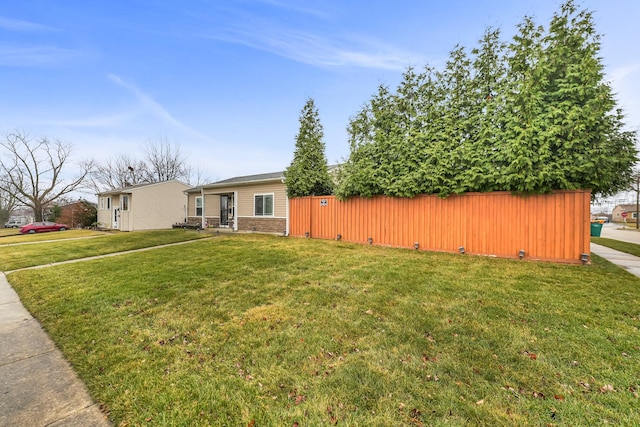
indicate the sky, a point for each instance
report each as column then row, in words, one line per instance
column 226, row 80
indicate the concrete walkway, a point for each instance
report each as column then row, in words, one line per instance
column 615, row 231
column 37, row 385
column 628, row 262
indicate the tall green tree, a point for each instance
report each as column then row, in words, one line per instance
column 582, row 123
column 532, row 116
column 524, row 154
column 308, row 173
column 458, row 120
column 488, row 88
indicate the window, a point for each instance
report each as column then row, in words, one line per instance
column 263, row 204
column 101, row 207
column 633, row 215
column 124, row 202
column 108, row 203
column 199, row 206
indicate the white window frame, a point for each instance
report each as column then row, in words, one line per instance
column 633, row 215
column 273, row 203
column 195, row 205
column 101, row 203
column 125, row 202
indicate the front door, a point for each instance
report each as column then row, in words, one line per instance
column 116, row 217
column 224, row 210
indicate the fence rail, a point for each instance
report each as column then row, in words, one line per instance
column 553, row 227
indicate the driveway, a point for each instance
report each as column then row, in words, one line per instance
column 618, row 232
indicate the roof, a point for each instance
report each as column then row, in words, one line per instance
column 131, row 188
column 246, row 179
column 627, row 208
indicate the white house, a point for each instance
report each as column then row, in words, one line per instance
column 143, row 207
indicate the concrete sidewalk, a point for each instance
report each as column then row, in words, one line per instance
column 617, row 232
column 627, row 261
column 37, row 385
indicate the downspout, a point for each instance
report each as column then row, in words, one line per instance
column 202, row 217
column 235, row 211
column 286, row 219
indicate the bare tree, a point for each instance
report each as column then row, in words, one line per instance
column 166, row 161
column 7, row 203
column 163, row 161
column 33, row 171
column 120, row 172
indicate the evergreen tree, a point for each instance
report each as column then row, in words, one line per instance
column 532, row 117
column 487, row 114
column 588, row 148
column 360, row 174
column 524, row 153
column 308, row 173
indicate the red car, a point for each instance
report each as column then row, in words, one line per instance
column 41, row 227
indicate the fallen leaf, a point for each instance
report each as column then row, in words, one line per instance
column 558, row 397
column 480, row 402
column 252, row 423
column 300, row 399
column 607, row 388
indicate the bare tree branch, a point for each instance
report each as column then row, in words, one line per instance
column 120, row 172
column 33, row 171
column 166, row 160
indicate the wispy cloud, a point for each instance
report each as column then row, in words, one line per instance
column 621, row 73
column 624, row 81
column 19, row 25
column 295, row 8
column 13, row 55
column 155, row 108
column 313, row 48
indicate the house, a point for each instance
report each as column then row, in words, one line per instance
column 143, row 207
column 77, row 214
column 243, row 203
column 622, row 212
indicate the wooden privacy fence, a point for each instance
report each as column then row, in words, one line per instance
column 552, row 227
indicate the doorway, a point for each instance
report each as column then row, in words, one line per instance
column 116, row 217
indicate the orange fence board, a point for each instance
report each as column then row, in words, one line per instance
column 553, row 227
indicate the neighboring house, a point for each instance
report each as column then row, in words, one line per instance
column 629, row 210
column 244, row 203
column 77, row 214
column 143, row 207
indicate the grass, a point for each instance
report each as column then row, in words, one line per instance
column 259, row 330
column 16, row 256
column 630, row 248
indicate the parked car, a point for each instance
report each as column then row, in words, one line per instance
column 15, row 223
column 41, row 227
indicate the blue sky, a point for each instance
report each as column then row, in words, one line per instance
column 226, row 80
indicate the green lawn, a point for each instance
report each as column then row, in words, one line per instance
column 630, row 248
column 14, row 256
column 268, row 331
